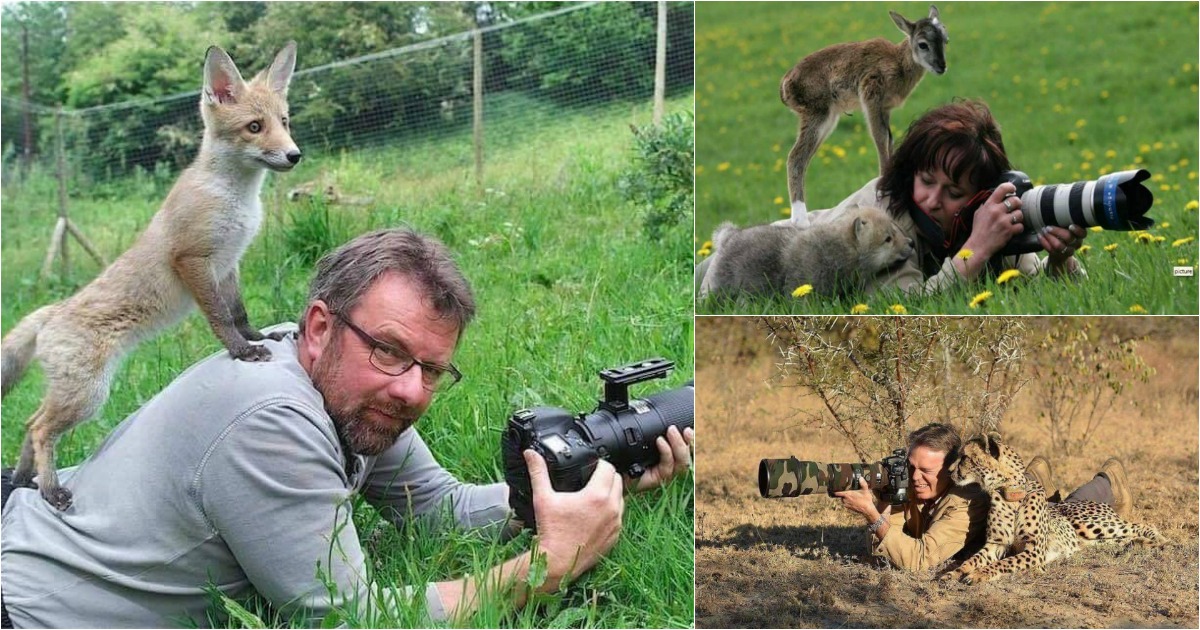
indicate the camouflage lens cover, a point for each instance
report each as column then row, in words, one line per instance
column 793, row 477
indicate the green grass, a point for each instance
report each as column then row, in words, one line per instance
column 1068, row 82
column 566, row 282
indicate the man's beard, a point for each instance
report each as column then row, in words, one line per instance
column 359, row 433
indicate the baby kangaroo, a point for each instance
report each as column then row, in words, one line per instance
column 875, row 75
column 188, row 255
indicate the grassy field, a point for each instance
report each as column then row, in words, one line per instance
column 566, row 282
column 1079, row 89
column 802, row 562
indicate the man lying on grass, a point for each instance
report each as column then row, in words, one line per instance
column 240, row 475
column 942, row 521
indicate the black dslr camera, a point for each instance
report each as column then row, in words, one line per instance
column 620, row 430
column 1117, row 201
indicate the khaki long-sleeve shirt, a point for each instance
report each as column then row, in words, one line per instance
column 923, row 536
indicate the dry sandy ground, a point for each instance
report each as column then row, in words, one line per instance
column 801, row 562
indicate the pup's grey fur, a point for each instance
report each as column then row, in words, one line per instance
column 837, row 257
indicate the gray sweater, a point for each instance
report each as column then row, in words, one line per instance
column 233, row 475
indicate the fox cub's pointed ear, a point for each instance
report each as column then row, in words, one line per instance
column 279, row 75
column 222, row 81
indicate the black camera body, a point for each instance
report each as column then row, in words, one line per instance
column 620, row 430
column 896, row 466
column 1117, row 201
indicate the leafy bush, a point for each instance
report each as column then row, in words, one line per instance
column 660, row 181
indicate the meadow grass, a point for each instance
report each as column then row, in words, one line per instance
column 1079, row 89
column 566, row 282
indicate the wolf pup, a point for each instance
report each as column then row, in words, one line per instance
column 188, row 254
column 837, row 258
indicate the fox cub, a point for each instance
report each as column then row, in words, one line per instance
column 188, row 255
column 837, row 258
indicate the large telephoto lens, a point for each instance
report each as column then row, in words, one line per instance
column 627, row 439
column 1117, row 201
column 792, row 477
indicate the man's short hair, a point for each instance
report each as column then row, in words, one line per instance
column 937, row 437
column 348, row 272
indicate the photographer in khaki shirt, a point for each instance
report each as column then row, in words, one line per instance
column 939, row 521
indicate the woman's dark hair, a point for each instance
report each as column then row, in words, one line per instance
column 937, row 437
column 961, row 137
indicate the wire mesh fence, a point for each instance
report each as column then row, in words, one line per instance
column 471, row 93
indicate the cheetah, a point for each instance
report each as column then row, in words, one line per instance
column 1022, row 528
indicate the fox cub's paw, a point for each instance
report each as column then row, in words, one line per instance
column 278, row 335
column 251, row 353
column 59, row 497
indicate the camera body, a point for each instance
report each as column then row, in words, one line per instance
column 1117, row 201
column 621, row 430
column 887, row 478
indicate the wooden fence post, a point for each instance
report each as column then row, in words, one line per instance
column 660, row 63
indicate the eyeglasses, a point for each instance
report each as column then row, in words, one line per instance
column 394, row 361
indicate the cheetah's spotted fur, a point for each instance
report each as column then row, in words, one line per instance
column 1024, row 531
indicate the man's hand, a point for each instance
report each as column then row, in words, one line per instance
column 675, row 457
column 575, row 528
column 861, row 500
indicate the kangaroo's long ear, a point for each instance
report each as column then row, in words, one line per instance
column 903, row 24
column 222, row 81
column 279, row 75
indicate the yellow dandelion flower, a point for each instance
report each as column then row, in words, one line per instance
column 1143, row 148
column 776, row 148
column 1137, row 308
column 706, row 245
column 1183, row 162
column 980, row 299
column 704, row 252
column 1072, row 136
column 1085, row 166
column 859, row 309
column 964, row 254
column 1192, row 206
column 1137, row 159
column 899, row 309
column 840, row 152
column 1187, row 67
column 1158, row 146
column 1121, row 120
column 802, row 291
column 699, row 169
column 778, row 200
column 1008, row 275
column 1142, row 237
column 1083, row 250
column 1110, row 154
column 723, row 166
column 1165, row 225
column 1103, row 93
column 1181, row 261
column 1096, row 228
column 1110, row 248
column 1081, row 123
column 1159, row 239
column 1165, row 188
column 787, row 212
column 1182, row 241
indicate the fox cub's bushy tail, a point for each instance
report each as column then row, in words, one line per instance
column 18, row 346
